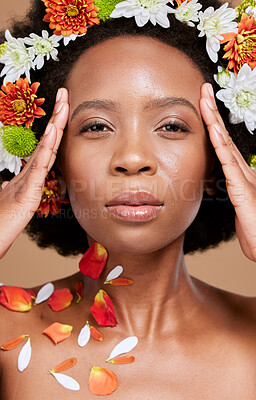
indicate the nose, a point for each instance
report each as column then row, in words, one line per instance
column 133, row 156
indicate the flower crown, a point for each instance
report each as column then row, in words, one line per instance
column 235, row 29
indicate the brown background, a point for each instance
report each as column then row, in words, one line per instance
column 27, row 265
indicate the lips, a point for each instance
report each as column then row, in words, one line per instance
column 134, row 199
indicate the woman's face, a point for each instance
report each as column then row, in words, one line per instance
column 135, row 125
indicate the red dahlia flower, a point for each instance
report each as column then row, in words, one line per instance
column 52, row 198
column 241, row 49
column 69, row 17
column 19, row 103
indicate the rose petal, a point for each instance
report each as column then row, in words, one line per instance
column 60, row 299
column 13, row 343
column 33, row 295
column 102, row 381
column 58, row 332
column 79, row 288
column 65, row 365
column 93, row 261
column 103, row 309
column 15, row 298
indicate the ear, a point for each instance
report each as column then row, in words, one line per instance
column 60, row 177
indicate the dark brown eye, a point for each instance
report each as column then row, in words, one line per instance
column 174, row 127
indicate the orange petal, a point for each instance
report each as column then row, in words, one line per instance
column 122, row 360
column 11, row 344
column 79, row 288
column 93, row 261
column 15, row 298
column 96, row 334
column 60, row 299
column 103, row 309
column 58, row 332
column 227, row 37
column 102, row 381
column 120, row 282
column 65, row 365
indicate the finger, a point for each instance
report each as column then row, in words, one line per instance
column 208, row 95
column 236, row 181
column 59, row 119
column 38, row 169
column 60, row 122
column 61, row 97
column 211, row 116
column 4, row 184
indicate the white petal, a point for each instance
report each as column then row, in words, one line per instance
column 44, row 293
column 1, row 284
column 24, row 356
column 8, row 36
column 66, row 381
column 115, row 273
column 124, row 346
column 84, row 336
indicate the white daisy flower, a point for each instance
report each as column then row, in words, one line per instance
column 154, row 11
column 18, row 59
column 43, row 47
column 222, row 77
column 7, row 160
column 67, row 39
column 188, row 12
column 249, row 10
column 214, row 23
column 239, row 96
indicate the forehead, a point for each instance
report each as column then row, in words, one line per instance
column 137, row 66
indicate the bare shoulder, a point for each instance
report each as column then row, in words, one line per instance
column 234, row 309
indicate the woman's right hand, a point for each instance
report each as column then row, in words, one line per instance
column 20, row 197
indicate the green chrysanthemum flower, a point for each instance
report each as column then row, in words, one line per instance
column 3, row 48
column 252, row 160
column 18, row 140
column 243, row 6
column 105, row 8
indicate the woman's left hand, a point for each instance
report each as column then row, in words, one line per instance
column 240, row 178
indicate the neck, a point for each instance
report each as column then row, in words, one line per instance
column 162, row 296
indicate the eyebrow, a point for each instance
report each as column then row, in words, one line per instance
column 161, row 102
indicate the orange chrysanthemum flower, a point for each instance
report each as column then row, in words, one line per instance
column 69, row 17
column 241, row 48
column 179, row 2
column 19, row 103
column 52, row 198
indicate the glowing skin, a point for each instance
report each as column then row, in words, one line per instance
column 135, row 151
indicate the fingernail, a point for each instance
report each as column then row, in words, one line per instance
column 59, row 107
column 48, row 129
column 59, row 94
column 218, row 128
column 210, row 90
column 210, row 103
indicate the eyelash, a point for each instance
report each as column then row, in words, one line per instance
column 179, row 127
column 176, row 125
column 86, row 127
